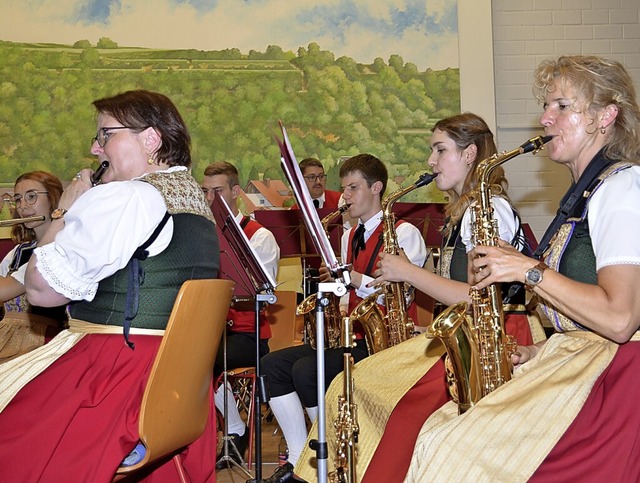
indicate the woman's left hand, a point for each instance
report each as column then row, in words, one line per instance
column 503, row 263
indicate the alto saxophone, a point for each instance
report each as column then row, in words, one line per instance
column 331, row 311
column 478, row 349
column 388, row 330
column 346, row 423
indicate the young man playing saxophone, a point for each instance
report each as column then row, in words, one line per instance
column 291, row 373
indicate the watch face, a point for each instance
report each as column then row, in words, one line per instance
column 534, row 276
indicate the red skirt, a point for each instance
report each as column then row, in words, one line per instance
column 79, row 419
column 391, row 460
column 603, row 442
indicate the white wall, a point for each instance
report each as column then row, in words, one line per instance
column 525, row 32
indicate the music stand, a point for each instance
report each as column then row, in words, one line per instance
column 339, row 272
column 239, row 262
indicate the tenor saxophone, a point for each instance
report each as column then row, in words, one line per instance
column 331, row 311
column 395, row 326
column 478, row 348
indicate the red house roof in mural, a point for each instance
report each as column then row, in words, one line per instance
column 266, row 194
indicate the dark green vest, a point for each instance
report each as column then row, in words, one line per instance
column 193, row 253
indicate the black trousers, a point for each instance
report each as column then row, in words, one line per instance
column 294, row 369
column 241, row 351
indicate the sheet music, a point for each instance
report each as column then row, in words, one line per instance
column 242, row 261
column 310, row 214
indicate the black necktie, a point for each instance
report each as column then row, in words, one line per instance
column 316, row 203
column 357, row 243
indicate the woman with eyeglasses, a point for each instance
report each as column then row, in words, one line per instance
column 25, row 327
column 117, row 253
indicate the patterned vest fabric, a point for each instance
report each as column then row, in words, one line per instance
column 571, row 252
column 193, row 253
column 454, row 263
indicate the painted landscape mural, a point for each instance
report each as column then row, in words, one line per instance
column 325, row 71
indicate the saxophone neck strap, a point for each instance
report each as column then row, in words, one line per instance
column 574, row 199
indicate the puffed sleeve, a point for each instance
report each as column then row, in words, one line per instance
column 502, row 211
column 614, row 219
column 102, row 230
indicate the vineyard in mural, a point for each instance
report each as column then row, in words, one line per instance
column 231, row 101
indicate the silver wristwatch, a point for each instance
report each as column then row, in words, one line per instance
column 533, row 276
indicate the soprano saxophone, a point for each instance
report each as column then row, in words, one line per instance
column 331, row 311
column 478, row 349
column 396, row 323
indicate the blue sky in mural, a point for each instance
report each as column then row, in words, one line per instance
column 421, row 31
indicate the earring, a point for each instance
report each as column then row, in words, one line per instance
column 150, row 161
column 603, row 130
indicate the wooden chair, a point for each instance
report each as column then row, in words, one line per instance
column 175, row 405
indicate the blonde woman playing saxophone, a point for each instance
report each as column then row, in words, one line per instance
column 458, row 143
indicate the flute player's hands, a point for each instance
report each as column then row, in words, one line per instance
column 78, row 186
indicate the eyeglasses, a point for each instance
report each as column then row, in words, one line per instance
column 30, row 197
column 103, row 134
column 312, row 178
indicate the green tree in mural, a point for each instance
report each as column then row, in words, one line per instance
column 106, row 43
column 82, row 44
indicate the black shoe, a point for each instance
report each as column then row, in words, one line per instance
column 284, row 474
column 239, row 444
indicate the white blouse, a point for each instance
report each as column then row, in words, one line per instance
column 102, row 230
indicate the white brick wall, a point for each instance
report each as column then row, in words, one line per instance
column 524, row 33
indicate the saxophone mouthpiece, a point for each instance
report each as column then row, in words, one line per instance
column 535, row 144
column 344, row 208
column 425, row 179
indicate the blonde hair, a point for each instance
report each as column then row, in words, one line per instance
column 599, row 82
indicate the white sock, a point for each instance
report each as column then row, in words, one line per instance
column 312, row 413
column 290, row 416
column 235, row 423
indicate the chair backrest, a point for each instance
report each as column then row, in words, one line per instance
column 175, row 405
column 286, row 326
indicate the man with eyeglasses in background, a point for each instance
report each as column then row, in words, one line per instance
column 221, row 179
column 316, row 179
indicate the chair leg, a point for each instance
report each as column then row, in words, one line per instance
column 181, row 473
column 251, row 420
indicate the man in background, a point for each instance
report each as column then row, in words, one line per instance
column 316, row 180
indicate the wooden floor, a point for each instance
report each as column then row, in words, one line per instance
column 271, row 435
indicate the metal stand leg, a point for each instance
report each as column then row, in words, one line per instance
column 227, row 440
column 261, row 393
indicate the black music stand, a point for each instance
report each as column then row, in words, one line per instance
column 239, row 262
